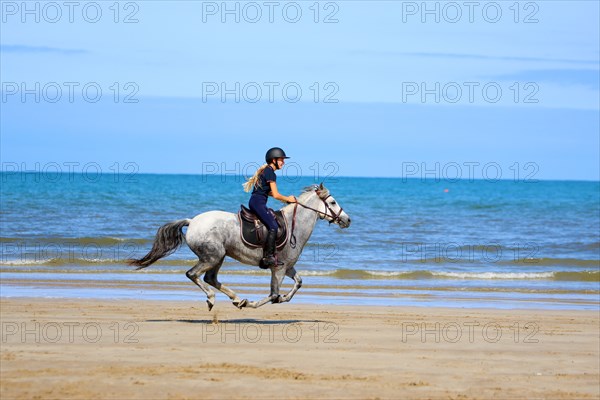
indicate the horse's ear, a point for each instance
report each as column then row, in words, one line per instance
column 321, row 186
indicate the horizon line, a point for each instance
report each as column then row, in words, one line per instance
column 324, row 179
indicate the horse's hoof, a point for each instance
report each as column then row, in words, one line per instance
column 210, row 305
column 241, row 304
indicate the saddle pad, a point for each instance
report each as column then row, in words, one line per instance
column 254, row 233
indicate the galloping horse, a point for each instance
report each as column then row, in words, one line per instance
column 215, row 234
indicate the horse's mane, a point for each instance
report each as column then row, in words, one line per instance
column 321, row 190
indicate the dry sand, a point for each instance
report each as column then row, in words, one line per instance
column 86, row 349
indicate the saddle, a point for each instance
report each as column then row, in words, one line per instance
column 254, row 232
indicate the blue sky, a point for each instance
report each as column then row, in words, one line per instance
column 370, row 87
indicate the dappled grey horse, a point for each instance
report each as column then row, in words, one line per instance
column 215, row 234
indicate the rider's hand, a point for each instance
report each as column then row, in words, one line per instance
column 292, row 199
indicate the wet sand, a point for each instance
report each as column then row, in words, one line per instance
column 93, row 349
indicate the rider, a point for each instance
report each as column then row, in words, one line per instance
column 263, row 184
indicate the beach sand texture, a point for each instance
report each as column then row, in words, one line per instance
column 93, row 349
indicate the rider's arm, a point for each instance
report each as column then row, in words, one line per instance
column 276, row 195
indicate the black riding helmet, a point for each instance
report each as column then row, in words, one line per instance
column 274, row 152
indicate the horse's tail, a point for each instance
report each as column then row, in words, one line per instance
column 168, row 239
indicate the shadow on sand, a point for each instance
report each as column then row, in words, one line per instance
column 239, row 321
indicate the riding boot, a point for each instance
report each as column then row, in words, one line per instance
column 268, row 259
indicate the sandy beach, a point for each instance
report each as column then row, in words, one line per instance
column 92, row 349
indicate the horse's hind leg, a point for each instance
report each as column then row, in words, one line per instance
column 211, row 279
column 194, row 275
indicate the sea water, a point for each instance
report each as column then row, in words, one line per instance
column 469, row 243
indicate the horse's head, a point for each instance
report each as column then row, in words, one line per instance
column 329, row 208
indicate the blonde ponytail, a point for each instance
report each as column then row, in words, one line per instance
column 253, row 181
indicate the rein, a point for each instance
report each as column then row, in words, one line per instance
column 334, row 217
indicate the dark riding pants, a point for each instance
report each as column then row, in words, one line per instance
column 258, row 204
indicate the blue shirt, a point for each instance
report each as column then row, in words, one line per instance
column 263, row 186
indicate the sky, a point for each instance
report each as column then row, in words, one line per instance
column 506, row 89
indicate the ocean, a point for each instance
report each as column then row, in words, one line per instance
column 421, row 242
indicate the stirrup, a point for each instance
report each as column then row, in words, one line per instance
column 263, row 264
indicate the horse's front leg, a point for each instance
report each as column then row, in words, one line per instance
column 297, row 284
column 277, row 275
column 256, row 304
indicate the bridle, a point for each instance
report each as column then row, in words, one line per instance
column 335, row 217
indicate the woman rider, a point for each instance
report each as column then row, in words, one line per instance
column 263, row 184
